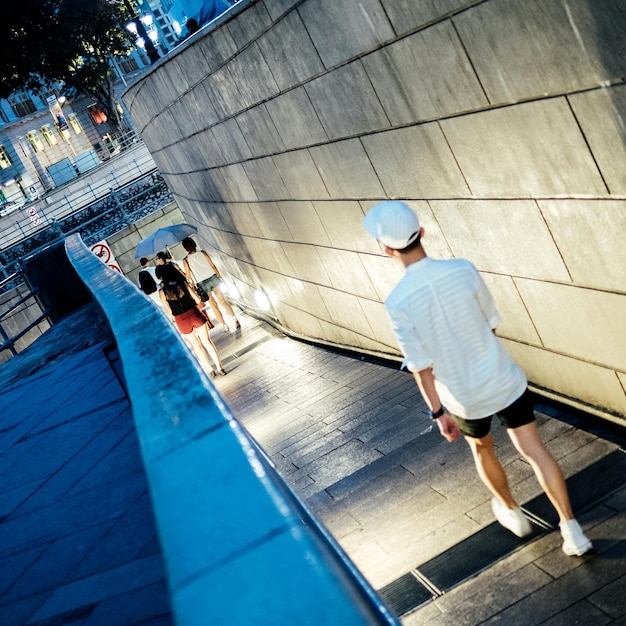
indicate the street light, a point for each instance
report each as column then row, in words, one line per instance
column 140, row 29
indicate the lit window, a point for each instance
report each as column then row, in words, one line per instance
column 35, row 141
column 48, row 135
column 74, row 123
column 97, row 115
column 5, row 160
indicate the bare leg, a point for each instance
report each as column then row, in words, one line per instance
column 527, row 441
column 223, row 302
column 196, row 347
column 216, row 310
column 203, row 336
column 490, row 469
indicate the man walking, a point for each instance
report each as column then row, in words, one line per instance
column 147, row 282
column 444, row 319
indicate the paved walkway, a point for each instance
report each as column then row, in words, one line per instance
column 351, row 436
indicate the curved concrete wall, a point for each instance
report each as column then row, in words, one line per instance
column 502, row 122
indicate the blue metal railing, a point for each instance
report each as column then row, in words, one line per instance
column 7, row 341
column 239, row 545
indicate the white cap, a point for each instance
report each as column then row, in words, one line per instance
column 393, row 223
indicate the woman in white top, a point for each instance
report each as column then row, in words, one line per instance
column 200, row 270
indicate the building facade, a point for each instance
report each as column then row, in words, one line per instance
column 47, row 139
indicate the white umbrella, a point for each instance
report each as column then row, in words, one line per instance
column 162, row 238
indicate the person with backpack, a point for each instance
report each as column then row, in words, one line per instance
column 147, row 282
column 181, row 304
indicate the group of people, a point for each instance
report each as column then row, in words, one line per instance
column 184, row 293
column 444, row 319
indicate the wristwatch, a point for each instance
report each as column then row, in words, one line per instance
column 437, row 414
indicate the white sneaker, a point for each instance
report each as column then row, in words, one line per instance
column 575, row 542
column 512, row 519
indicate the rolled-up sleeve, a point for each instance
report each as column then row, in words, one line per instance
column 416, row 358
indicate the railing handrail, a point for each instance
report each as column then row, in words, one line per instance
column 60, row 230
column 8, row 341
column 78, row 194
column 236, row 540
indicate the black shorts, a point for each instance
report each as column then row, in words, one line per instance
column 515, row 415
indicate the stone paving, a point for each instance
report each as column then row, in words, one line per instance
column 77, row 539
column 351, row 437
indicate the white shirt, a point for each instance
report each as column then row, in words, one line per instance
column 200, row 268
column 443, row 315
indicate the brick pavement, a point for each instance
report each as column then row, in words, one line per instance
column 77, row 538
column 351, row 437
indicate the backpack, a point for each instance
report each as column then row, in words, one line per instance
column 146, row 282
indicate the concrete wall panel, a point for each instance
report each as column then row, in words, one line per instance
column 415, row 162
column 278, row 129
column 296, row 120
column 583, row 323
column 504, row 237
column 269, row 255
column 271, row 221
column 244, row 220
column 306, row 297
column 203, row 145
column 252, row 76
column 590, row 236
column 223, row 91
column 265, row 179
column 341, row 30
column 304, row 223
column 300, row 175
column 249, row 25
column 346, row 170
column 196, row 65
column 343, row 222
column 345, row 311
column 289, row 52
column 377, row 318
column 260, row 132
column 302, row 323
column 570, row 377
column 515, row 322
column 534, row 148
column 602, row 118
column 554, row 47
column 278, row 8
column 383, row 273
column 232, row 183
column 345, row 274
column 306, row 263
column 213, row 52
column 333, row 96
column 200, row 104
column 405, row 15
column 230, row 142
column 424, row 76
column 186, row 123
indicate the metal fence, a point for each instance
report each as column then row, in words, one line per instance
column 23, row 313
column 88, row 187
column 118, row 209
column 104, row 202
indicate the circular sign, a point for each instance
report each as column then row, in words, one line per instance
column 102, row 251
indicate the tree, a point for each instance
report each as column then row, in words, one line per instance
column 64, row 41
